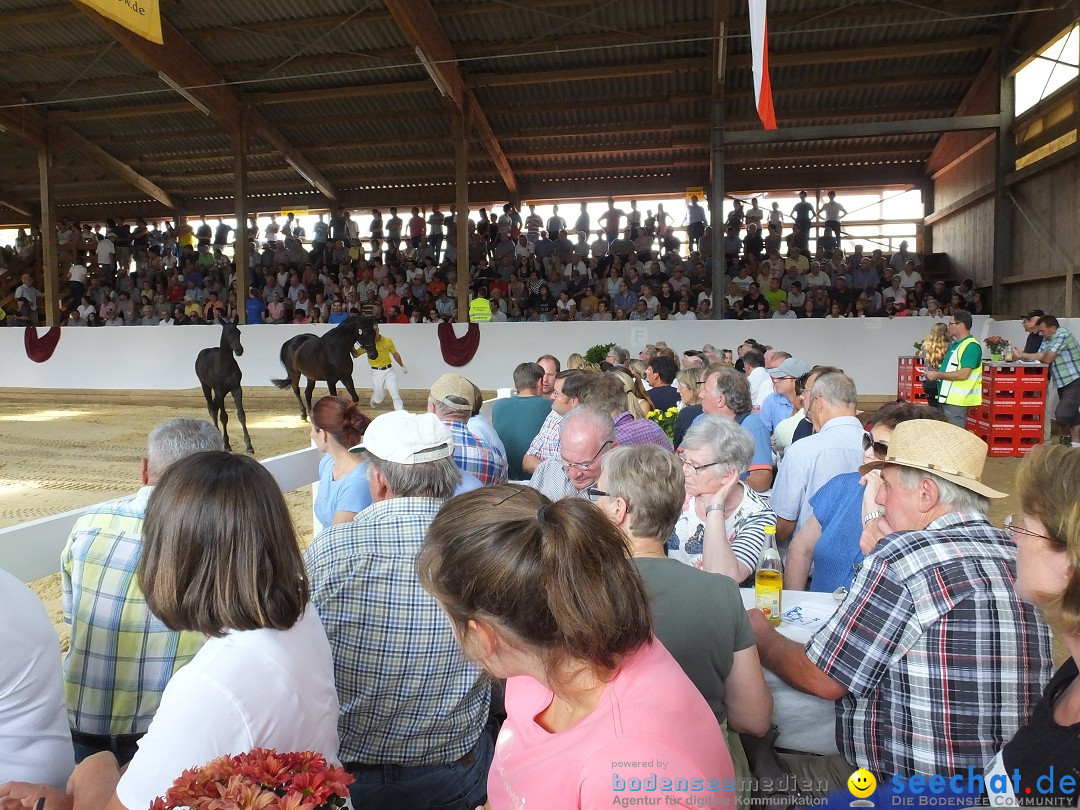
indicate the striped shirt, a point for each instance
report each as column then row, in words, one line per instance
column 474, row 455
column 408, row 696
column 1066, row 366
column 121, row 656
column 941, row 659
column 550, row 479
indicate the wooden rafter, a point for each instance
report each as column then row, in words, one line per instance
column 179, row 60
column 420, row 25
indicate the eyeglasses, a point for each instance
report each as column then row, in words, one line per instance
column 695, row 467
column 593, row 492
column 1012, row 524
column 880, row 448
column 584, row 466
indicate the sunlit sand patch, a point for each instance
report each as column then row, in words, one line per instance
column 10, row 487
column 275, row 422
column 44, row 416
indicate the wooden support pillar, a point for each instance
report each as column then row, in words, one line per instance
column 460, row 135
column 50, row 270
column 924, row 243
column 716, row 210
column 240, row 249
column 1006, row 163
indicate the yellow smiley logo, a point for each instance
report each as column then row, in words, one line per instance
column 861, row 783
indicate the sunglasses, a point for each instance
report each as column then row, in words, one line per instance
column 880, row 448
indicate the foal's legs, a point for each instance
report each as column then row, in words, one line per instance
column 238, row 400
column 210, row 406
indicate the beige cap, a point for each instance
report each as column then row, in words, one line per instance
column 453, row 391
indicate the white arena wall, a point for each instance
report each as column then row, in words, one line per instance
column 163, row 358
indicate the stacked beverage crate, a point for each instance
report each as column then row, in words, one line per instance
column 1011, row 417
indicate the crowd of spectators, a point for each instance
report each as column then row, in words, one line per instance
column 629, row 265
column 433, row 578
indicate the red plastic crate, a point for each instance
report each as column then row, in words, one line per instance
column 1013, row 395
column 1012, row 443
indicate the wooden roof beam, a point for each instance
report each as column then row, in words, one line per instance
column 871, row 53
column 40, row 131
column 179, row 60
column 576, row 74
column 420, row 25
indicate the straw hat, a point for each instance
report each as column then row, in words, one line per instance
column 939, row 448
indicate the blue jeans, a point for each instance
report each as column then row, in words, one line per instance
column 459, row 786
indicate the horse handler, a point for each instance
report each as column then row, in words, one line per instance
column 383, row 377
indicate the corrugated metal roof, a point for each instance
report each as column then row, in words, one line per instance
column 633, row 124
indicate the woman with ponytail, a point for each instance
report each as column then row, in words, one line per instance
column 546, row 595
column 336, row 425
column 1047, row 537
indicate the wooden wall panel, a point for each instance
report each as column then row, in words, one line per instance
column 965, row 177
column 968, row 239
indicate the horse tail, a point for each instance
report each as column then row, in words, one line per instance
column 286, row 356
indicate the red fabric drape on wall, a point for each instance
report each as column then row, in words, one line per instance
column 457, row 351
column 40, row 349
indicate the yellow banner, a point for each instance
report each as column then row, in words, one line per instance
column 695, row 191
column 141, row 16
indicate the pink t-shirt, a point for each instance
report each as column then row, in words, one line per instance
column 652, row 735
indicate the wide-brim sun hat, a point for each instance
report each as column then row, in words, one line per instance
column 941, row 449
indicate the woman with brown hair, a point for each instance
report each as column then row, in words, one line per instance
column 220, row 557
column 546, row 595
column 336, row 425
column 1047, row 537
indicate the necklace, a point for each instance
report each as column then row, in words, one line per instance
column 340, row 473
column 659, row 554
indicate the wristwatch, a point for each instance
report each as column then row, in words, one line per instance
column 714, row 507
column 869, row 516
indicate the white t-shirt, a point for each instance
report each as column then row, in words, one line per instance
column 78, row 273
column 250, row 689
column 35, row 741
column 105, row 250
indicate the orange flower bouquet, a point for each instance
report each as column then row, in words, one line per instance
column 261, row 779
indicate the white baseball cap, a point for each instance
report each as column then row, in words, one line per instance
column 401, row 437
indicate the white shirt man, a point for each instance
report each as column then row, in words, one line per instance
column 909, row 276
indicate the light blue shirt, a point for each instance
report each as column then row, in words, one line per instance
column 811, row 462
column 775, row 410
column 349, row 493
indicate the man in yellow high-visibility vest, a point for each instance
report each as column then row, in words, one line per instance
column 960, row 373
column 479, row 308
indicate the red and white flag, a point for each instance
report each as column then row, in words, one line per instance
column 759, row 50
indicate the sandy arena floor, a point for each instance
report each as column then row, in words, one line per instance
column 66, row 449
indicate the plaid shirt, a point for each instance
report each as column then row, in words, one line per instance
column 121, row 656
column 941, row 659
column 1066, row 366
column 629, row 430
column 408, row 696
column 546, row 443
column 476, row 456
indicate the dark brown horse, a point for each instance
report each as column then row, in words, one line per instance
column 219, row 374
column 327, row 358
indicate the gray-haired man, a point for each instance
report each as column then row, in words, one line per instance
column 121, row 656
